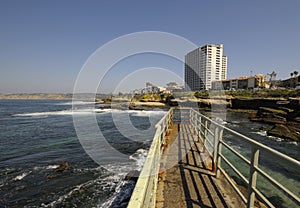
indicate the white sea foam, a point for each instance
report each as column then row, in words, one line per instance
column 121, row 194
column 146, row 113
column 219, row 120
column 123, row 189
column 20, row 177
column 87, row 111
column 52, row 167
column 278, row 139
column 264, row 134
column 76, row 103
column 235, row 122
column 294, row 143
column 60, row 113
column 139, row 156
column 102, row 184
column 261, row 133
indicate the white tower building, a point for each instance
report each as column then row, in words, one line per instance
column 204, row 65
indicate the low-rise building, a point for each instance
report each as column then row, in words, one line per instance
column 291, row 83
column 247, row 82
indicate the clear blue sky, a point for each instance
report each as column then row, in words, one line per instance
column 44, row 44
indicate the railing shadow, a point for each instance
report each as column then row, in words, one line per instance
column 197, row 178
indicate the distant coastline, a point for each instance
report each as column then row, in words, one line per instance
column 36, row 96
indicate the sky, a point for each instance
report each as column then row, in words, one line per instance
column 45, row 44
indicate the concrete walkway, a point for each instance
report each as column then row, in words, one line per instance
column 188, row 180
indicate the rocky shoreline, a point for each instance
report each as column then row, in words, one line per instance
column 282, row 113
column 285, row 121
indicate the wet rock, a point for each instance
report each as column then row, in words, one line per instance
column 62, row 167
column 285, row 121
column 105, row 107
column 270, row 115
column 284, row 131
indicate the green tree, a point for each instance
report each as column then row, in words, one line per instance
column 149, row 84
column 172, row 84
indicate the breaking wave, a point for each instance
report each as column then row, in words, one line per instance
column 87, row 111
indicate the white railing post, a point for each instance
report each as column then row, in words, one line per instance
column 200, row 127
column 216, row 141
column 218, row 172
column 163, row 131
column 205, row 134
column 253, row 176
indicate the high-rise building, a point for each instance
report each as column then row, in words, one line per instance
column 204, row 65
column 224, row 68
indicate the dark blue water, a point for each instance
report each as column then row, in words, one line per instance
column 282, row 171
column 38, row 136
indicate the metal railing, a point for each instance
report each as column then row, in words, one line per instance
column 144, row 193
column 211, row 134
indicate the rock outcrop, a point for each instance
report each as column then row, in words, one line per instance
column 285, row 121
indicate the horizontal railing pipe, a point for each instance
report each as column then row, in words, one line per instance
column 203, row 122
column 211, row 134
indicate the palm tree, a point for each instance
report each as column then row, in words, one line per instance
column 291, row 79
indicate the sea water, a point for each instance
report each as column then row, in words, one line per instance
column 37, row 136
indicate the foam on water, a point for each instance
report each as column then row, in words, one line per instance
column 60, row 113
column 124, row 189
column 219, row 120
column 52, row 167
column 275, row 138
column 261, row 133
column 146, row 113
column 23, row 175
column 76, row 103
column 123, row 192
column 113, row 182
column 264, row 134
column 87, row 111
column 294, row 143
column 139, row 157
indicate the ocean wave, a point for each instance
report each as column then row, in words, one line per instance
column 59, row 113
column 76, row 103
column 219, row 120
column 97, row 187
column 277, row 139
column 139, row 157
column 294, row 143
column 264, row 134
column 23, row 175
column 88, row 111
column 146, row 113
column 123, row 193
column 48, row 167
column 124, row 189
column 261, row 133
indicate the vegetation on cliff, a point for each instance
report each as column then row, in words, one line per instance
column 246, row 94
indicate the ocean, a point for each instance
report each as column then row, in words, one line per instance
column 38, row 136
column 43, row 163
